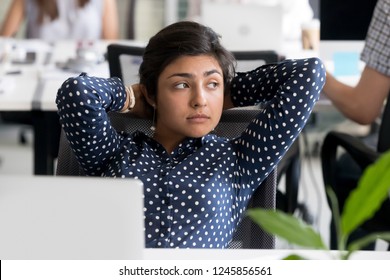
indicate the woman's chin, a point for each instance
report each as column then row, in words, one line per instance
column 199, row 132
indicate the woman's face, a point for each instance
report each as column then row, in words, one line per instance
column 189, row 99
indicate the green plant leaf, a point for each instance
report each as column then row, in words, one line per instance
column 294, row 257
column 287, row 227
column 366, row 199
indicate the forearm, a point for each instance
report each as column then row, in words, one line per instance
column 13, row 19
column 110, row 25
column 278, row 82
column 362, row 103
column 290, row 94
column 83, row 103
column 341, row 95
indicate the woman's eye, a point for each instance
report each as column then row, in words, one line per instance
column 213, row 85
column 181, row 85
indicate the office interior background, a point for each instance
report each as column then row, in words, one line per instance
column 16, row 155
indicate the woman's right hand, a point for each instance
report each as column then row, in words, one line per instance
column 141, row 109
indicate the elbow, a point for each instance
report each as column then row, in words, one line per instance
column 360, row 111
column 317, row 74
column 318, row 69
column 69, row 90
column 363, row 119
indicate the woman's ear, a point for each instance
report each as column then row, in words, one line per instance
column 149, row 99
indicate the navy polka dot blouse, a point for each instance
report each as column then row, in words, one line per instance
column 195, row 196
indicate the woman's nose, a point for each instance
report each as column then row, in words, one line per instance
column 198, row 98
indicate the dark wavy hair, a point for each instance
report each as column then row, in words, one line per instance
column 184, row 38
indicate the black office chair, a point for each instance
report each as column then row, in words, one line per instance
column 248, row 235
column 249, row 60
column 361, row 155
column 131, row 56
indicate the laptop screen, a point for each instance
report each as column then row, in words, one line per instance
column 245, row 26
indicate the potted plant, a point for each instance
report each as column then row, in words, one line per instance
column 373, row 188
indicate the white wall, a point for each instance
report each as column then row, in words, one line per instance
column 149, row 18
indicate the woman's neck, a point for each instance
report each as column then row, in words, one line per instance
column 169, row 143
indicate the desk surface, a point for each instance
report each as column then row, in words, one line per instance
column 247, row 254
column 33, row 86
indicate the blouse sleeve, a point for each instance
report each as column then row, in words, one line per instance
column 289, row 91
column 83, row 103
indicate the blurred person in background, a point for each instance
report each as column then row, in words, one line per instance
column 363, row 104
column 58, row 19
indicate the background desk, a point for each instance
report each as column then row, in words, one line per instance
column 33, row 88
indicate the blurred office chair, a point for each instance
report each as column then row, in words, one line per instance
column 248, row 234
column 249, row 60
column 130, row 56
column 24, row 120
column 362, row 155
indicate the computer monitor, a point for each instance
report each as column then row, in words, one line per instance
column 70, row 218
column 343, row 30
column 345, row 19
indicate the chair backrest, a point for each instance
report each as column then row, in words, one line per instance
column 232, row 123
column 249, row 60
column 384, row 135
column 130, row 56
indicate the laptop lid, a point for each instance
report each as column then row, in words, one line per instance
column 47, row 217
column 245, row 26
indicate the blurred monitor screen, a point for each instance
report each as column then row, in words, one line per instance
column 345, row 19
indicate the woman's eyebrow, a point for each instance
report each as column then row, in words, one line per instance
column 208, row 73
column 189, row 75
column 185, row 75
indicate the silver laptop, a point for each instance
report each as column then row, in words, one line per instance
column 244, row 26
column 48, row 217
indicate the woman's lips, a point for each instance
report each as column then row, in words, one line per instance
column 198, row 118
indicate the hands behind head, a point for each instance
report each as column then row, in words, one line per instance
column 142, row 109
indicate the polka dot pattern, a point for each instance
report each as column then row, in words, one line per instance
column 195, row 196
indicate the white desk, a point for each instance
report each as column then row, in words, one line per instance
column 252, row 254
column 26, row 87
column 33, row 87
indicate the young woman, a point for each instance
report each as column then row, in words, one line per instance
column 197, row 185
